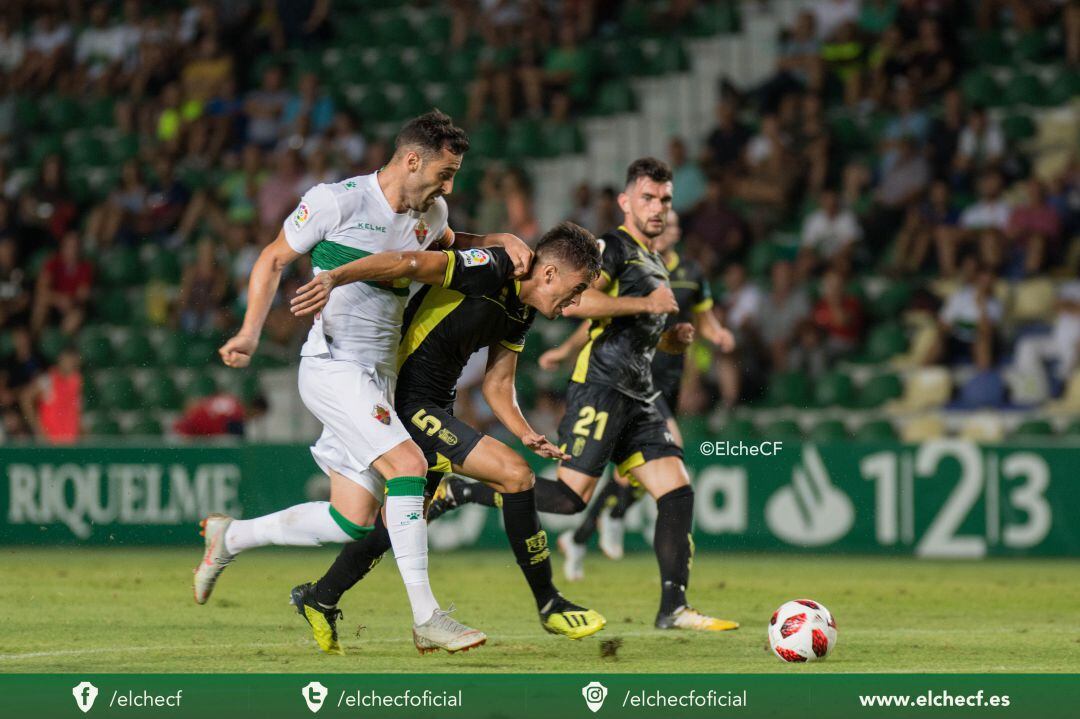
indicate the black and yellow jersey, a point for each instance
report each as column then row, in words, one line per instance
column 620, row 350
column 692, row 292
column 477, row 306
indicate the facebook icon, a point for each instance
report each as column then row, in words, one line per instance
column 85, row 693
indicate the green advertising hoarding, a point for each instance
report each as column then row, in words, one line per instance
column 946, row 498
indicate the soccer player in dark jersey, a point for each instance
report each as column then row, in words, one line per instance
column 611, row 414
column 472, row 302
column 694, row 297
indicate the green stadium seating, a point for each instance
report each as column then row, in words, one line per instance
column 1033, row 429
column 113, row 306
column 623, row 58
column 714, row 19
column 42, row 147
column 989, row 48
column 198, row 352
column 116, row 391
column 61, row 113
column 615, row 97
column 428, row 67
column 563, row 139
column 460, row 68
column 146, row 425
column 783, row 430
column 980, row 88
column 103, row 426
column 170, row 350
column 525, row 139
column 879, row 390
column 1072, row 430
column 434, row 31
column 738, row 429
column 135, row 351
column 1064, row 87
column 761, row 258
column 98, row 112
column 1018, row 127
column 880, row 430
column 200, row 385
column 833, row 390
column 892, row 301
column 119, row 267
column 27, row 114
column 160, row 391
column 95, row 349
column 396, row 31
column 1033, row 46
column 670, row 58
column 787, row 389
column 390, row 69
column 886, row 340
column 830, row 430
column 84, row 149
column 1025, row 89
column 635, row 18
column 51, row 342
column 159, row 264
column 486, row 141
column 412, row 103
column 122, row 149
column 450, row 100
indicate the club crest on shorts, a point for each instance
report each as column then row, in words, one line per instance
column 421, row 231
column 381, row 413
column 448, row 437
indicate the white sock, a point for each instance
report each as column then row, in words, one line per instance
column 408, row 534
column 303, row 525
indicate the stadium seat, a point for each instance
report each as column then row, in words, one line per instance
column 783, row 430
column 170, row 350
column 116, row 391
column 198, row 352
column 1033, row 300
column 714, row 18
column 1018, row 127
column 879, row 390
column 788, row 389
column 102, row 425
column 885, row 341
column 989, row 48
column 146, row 425
column 486, row 141
column 396, row 32
column 762, row 256
column 879, row 430
column 983, row 428
column 112, row 306
column 1064, row 87
column 833, row 390
column 449, row 99
column 524, row 139
column 891, row 301
column 135, row 350
column 830, row 430
column 159, row 264
column 200, row 385
column 84, row 149
column 51, row 342
column 563, row 139
column 95, row 350
column 614, row 97
column 980, row 88
column 669, row 58
column 1031, row 47
column 98, row 112
column 1025, row 89
column 160, row 391
column 1032, row 429
column 923, row 428
column 61, row 113
column 119, row 267
column 738, row 429
column 1072, row 429
column 924, row 388
column 434, row 31
column 122, row 149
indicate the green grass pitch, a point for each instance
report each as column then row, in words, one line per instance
column 130, row 610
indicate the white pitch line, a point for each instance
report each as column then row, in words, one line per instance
column 264, row 645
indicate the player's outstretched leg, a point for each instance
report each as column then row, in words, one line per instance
column 552, row 495
column 674, row 549
column 321, row 619
column 311, row 524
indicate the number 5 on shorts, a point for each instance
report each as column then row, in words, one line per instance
column 427, row 424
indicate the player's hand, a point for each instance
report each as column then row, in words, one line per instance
column 237, row 352
column 678, row 339
column 551, row 359
column 519, row 253
column 313, row 296
column 725, row 340
column 661, row 301
column 540, row 444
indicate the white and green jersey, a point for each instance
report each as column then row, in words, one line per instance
column 343, row 221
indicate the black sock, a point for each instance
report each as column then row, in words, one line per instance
column 529, row 543
column 624, row 499
column 608, row 496
column 353, row 563
column 474, row 493
column 555, row 496
column 674, row 546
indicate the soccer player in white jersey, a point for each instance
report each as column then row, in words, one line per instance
column 348, row 368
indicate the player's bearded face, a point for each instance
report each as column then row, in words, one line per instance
column 431, row 177
column 646, row 204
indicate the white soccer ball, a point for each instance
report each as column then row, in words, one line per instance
column 802, row 631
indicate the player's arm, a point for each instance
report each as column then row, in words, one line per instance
column 262, row 287
column 708, row 326
column 677, row 339
column 597, row 304
column 570, row 347
column 430, row 268
column 520, row 253
column 501, row 395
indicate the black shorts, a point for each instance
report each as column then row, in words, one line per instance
column 604, row 425
column 664, row 404
column 443, row 438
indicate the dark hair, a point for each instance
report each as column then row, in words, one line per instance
column 431, row 132
column 572, row 244
column 650, row 167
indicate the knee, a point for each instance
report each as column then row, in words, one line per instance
column 519, row 478
column 406, row 461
